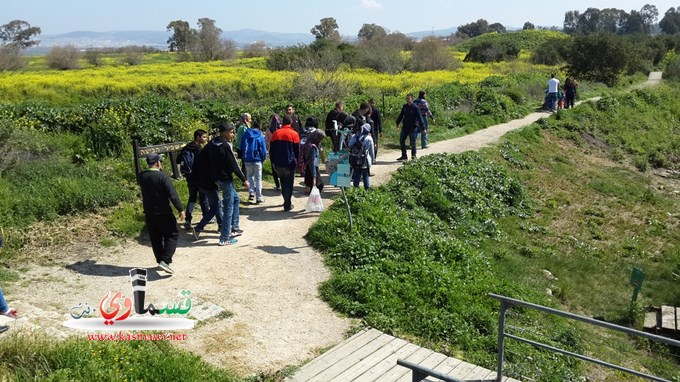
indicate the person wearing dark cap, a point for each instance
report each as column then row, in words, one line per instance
column 222, row 165
column 157, row 194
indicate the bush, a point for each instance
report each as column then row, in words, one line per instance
column 132, row 56
column 672, row 71
column 94, row 56
column 599, row 57
column 432, row 54
column 492, row 51
column 10, row 58
column 380, row 59
column 63, row 57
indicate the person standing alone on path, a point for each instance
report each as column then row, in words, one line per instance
column 284, row 151
column 157, row 194
column 424, row 112
column 222, row 165
column 185, row 160
column 410, row 115
column 553, row 87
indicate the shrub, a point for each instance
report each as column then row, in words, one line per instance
column 432, row 54
column 132, row 56
column 600, row 57
column 492, row 51
column 93, row 56
column 63, row 57
column 10, row 58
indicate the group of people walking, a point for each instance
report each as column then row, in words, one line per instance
column 558, row 97
column 211, row 166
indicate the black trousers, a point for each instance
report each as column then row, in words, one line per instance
column 163, row 233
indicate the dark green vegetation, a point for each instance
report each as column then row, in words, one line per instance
column 560, row 195
column 37, row 359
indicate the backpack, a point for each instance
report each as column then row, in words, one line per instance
column 274, row 123
column 303, row 157
column 185, row 160
column 357, row 153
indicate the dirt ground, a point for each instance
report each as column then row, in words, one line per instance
column 267, row 282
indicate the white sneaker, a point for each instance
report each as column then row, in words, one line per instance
column 164, row 266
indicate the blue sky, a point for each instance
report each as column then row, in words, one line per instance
column 61, row 16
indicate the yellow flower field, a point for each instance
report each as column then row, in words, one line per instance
column 202, row 80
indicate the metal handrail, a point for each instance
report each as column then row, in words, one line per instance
column 507, row 302
column 420, row 372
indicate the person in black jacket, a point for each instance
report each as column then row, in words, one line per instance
column 377, row 125
column 202, row 178
column 157, row 194
column 193, row 148
column 222, row 165
column 410, row 115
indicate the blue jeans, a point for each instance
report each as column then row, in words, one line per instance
column 3, row 303
column 411, row 133
column 230, row 208
column 423, row 131
column 287, row 176
column 552, row 101
column 195, row 194
column 359, row 174
column 214, row 210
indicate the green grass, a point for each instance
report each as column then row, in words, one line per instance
column 432, row 243
column 35, row 358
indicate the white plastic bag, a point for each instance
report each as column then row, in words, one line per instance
column 314, row 203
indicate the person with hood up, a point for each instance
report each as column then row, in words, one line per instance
column 362, row 174
column 254, row 151
column 312, row 159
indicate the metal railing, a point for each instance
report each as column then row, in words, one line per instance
column 507, row 302
column 420, row 372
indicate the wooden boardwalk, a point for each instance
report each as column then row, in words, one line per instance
column 371, row 356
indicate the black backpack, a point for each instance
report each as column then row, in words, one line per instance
column 357, row 153
column 185, row 160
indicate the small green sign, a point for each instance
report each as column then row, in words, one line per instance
column 636, row 279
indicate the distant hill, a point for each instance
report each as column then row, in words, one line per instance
column 158, row 39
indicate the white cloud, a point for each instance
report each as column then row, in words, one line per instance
column 371, row 4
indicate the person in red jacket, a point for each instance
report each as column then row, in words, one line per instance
column 284, row 149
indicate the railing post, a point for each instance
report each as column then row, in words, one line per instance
column 501, row 340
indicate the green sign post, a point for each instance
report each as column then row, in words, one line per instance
column 636, row 279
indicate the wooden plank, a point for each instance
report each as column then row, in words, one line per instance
column 677, row 319
column 357, row 355
column 477, row 373
column 340, row 351
column 384, row 367
column 668, row 318
column 371, row 360
column 462, row 369
column 397, row 372
column 650, row 320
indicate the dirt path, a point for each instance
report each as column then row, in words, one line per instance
column 267, row 282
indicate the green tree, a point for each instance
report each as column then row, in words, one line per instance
column 497, row 27
column 371, row 31
column 670, row 23
column 600, row 57
column 473, row 29
column 19, row 33
column 208, row 42
column 528, row 25
column 327, row 29
column 183, row 36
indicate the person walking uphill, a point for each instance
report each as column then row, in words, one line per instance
column 424, row 112
column 254, row 151
column 285, row 147
column 185, row 160
column 410, row 115
column 222, row 165
column 157, row 194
